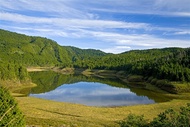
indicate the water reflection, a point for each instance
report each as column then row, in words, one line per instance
column 94, row 94
column 93, row 91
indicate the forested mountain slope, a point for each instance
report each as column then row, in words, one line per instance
column 18, row 51
column 168, row 63
column 31, row 51
column 38, row 51
column 21, row 50
column 84, row 58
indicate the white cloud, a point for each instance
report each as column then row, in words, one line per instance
column 71, row 23
column 173, row 5
column 85, row 9
column 178, row 8
column 143, row 41
column 182, row 33
column 117, row 49
column 58, row 8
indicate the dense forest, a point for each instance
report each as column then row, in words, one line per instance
column 19, row 51
column 10, row 71
column 169, row 63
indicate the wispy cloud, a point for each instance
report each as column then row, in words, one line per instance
column 105, row 21
column 145, row 7
column 71, row 23
column 128, row 42
column 183, row 33
column 50, row 8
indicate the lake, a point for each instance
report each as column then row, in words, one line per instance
column 91, row 91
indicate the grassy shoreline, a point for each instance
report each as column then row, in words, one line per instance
column 40, row 112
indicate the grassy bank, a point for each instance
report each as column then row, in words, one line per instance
column 18, row 88
column 47, row 113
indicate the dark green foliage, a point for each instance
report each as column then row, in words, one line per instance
column 170, row 63
column 134, row 121
column 171, row 118
column 168, row 118
column 84, row 58
column 10, row 71
column 10, row 115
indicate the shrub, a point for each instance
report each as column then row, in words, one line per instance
column 153, row 81
column 134, row 121
column 10, row 115
column 160, row 83
column 168, row 118
column 171, row 118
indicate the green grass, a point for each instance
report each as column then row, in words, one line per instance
column 50, row 113
column 182, row 86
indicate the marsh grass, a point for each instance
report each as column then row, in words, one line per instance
column 50, row 113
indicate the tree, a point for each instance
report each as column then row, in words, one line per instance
column 10, row 115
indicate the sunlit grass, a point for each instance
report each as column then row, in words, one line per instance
column 50, row 113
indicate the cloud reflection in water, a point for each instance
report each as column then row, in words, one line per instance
column 94, row 94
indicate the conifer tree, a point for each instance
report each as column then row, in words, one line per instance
column 10, row 115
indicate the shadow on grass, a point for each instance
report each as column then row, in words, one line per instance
column 58, row 113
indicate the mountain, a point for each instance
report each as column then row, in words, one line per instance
column 168, row 63
column 38, row 51
column 18, row 50
column 31, row 51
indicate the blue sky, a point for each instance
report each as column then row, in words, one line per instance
column 109, row 25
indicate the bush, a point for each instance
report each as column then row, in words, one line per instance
column 153, row 81
column 168, row 118
column 135, row 78
column 10, row 115
column 134, row 121
column 160, row 83
column 171, row 118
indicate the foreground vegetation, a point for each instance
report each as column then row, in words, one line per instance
column 10, row 115
column 168, row 118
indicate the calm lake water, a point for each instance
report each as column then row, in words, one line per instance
column 91, row 91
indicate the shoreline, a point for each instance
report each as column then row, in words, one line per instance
column 41, row 112
column 36, row 69
column 132, row 80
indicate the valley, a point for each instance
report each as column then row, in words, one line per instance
column 163, row 71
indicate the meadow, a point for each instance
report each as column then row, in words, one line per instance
column 46, row 113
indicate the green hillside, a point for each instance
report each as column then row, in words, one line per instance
column 38, row 51
column 31, row 51
column 18, row 51
column 168, row 63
